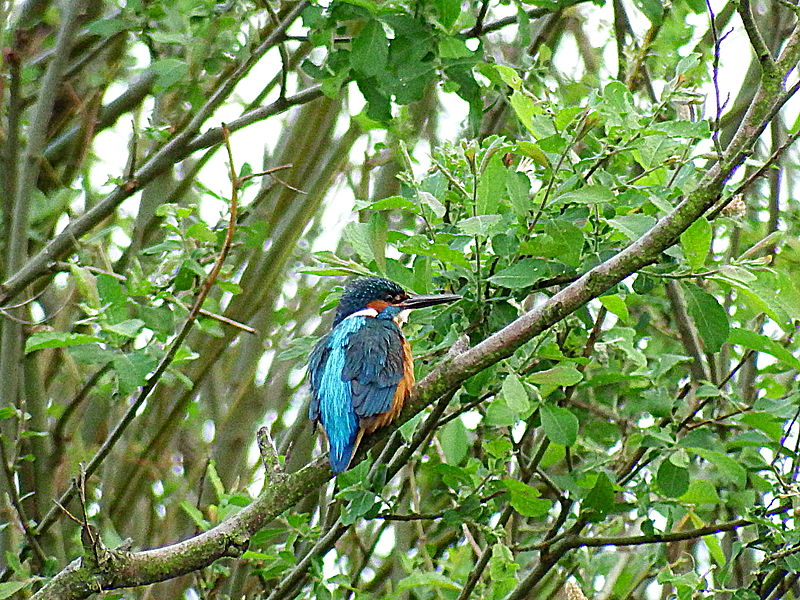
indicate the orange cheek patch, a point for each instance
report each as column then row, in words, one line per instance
column 378, row 305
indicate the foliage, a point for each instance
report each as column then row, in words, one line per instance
column 639, row 441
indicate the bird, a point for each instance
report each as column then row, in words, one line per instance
column 362, row 371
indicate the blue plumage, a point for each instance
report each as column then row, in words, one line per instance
column 332, row 393
column 361, row 372
column 355, row 370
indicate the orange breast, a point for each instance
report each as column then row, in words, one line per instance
column 400, row 396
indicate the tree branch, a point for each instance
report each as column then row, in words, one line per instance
column 756, row 41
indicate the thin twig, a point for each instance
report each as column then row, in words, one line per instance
column 478, row 28
column 570, row 542
column 16, row 502
column 281, row 50
column 715, row 126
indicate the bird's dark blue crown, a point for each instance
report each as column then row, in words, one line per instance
column 359, row 292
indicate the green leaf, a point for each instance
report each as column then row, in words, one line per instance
column 56, row 339
column 518, row 188
column 430, row 579
column 390, row 203
column 216, row 482
column 566, row 116
column 361, row 502
column 9, row 588
column 559, row 424
column 169, row 71
column 532, row 150
column 700, row 492
column 229, row 286
column 600, row 498
column 344, row 267
column 451, row 47
column 502, row 571
column 498, row 447
column 499, row 414
column 453, row 437
column 87, row 285
column 491, row 185
column 769, row 424
column 432, row 202
column 652, row 9
column 672, row 480
column 444, row 253
column 511, row 405
column 615, row 304
column 195, row 515
column 370, row 50
column 590, row 194
column 567, row 241
column 480, row 225
column 353, row 477
column 525, row 499
column 358, row 236
column 252, row 555
column 515, row 395
column 714, row 549
column 106, row 27
column 729, row 468
column 709, row 317
column 113, row 298
column 90, row 353
column 633, row 226
column 377, row 232
column 762, row 343
column 561, row 374
column 132, row 370
column 201, row 232
column 525, row 108
column 129, row 328
column 698, row 130
column 696, row 242
column 707, row 390
column 521, row 274
column 509, row 76
column 448, row 10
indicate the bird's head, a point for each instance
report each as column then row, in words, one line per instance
column 382, row 296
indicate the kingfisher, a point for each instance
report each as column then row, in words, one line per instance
column 362, row 371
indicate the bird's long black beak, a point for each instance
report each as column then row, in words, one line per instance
column 419, row 301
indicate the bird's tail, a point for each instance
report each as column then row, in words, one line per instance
column 343, row 443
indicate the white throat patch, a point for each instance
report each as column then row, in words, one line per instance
column 364, row 312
